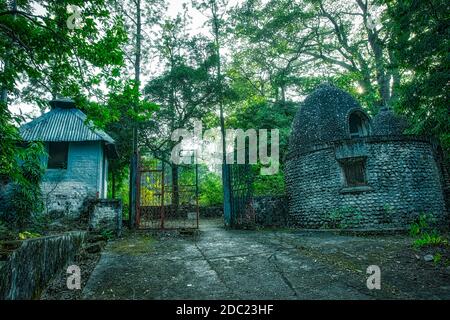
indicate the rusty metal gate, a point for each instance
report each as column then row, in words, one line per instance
column 167, row 196
column 241, row 195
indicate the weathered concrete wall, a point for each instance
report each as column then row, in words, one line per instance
column 35, row 262
column 66, row 190
column 106, row 215
column 271, row 210
column 403, row 177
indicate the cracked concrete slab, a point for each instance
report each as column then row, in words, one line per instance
column 242, row 264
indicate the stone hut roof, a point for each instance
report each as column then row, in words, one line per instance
column 387, row 123
column 323, row 117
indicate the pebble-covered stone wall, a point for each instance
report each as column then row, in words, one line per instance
column 270, row 210
column 403, row 181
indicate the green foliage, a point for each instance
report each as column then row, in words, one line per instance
column 185, row 90
column 343, row 218
column 41, row 221
column 28, row 235
column 430, row 239
column 264, row 185
column 121, row 186
column 9, row 136
column 280, row 50
column 284, row 47
column 5, row 232
column 54, row 58
column 40, row 51
column 27, row 195
column 126, row 110
column 108, row 234
column 423, row 224
column 421, row 47
column 424, row 232
column 257, row 113
column 437, row 258
column 210, row 190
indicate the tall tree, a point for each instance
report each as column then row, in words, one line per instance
column 39, row 49
column 421, row 44
column 293, row 40
column 184, row 91
column 216, row 11
column 140, row 17
column 53, row 57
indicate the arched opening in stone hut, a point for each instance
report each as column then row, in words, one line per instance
column 358, row 124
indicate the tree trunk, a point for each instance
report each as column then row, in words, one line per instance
column 375, row 43
column 134, row 157
column 382, row 77
column 225, row 169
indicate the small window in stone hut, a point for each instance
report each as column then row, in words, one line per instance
column 358, row 125
column 355, row 172
column 57, row 155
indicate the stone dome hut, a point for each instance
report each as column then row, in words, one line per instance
column 345, row 170
column 387, row 123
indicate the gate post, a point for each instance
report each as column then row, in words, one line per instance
column 226, row 194
column 133, row 205
column 162, row 194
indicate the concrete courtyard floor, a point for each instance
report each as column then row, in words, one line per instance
column 263, row 264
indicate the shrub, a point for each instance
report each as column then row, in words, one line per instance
column 437, row 258
column 107, row 234
column 211, row 192
column 425, row 233
column 427, row 239
column 423, row 224
column 4, row 231
column 268, row 185
column 28, row 235
column 27, row 196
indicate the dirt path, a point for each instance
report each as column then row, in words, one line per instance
column 240, row 264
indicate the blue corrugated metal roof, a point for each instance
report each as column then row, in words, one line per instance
column 62, row 124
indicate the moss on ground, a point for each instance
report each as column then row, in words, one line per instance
column 134, row 245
